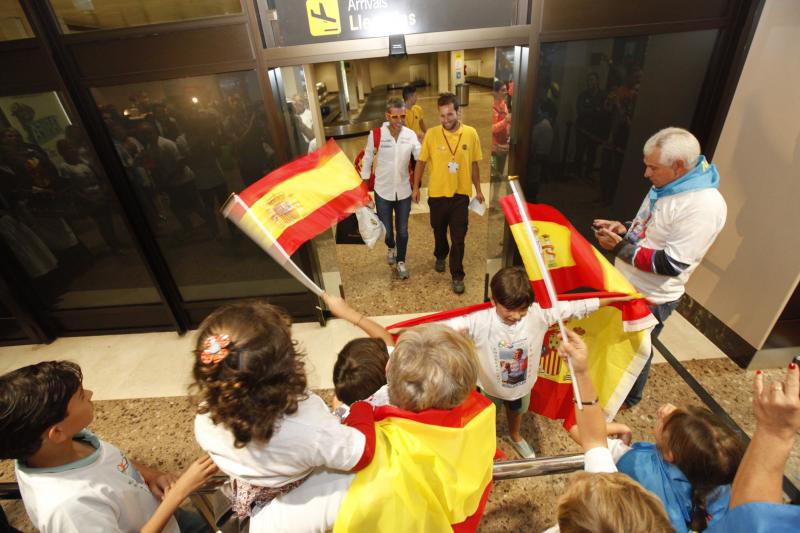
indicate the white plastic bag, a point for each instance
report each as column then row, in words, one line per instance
column 369, row 226
column 477, row 207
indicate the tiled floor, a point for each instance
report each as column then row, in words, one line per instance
column 151, row 365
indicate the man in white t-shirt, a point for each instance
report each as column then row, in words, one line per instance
column 303, row 118
column 677, row 223
column 392, row 179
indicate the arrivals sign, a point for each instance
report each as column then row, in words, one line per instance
column 316, row 21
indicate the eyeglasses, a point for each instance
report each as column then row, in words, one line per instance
column 396, row 116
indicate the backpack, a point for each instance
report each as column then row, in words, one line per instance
column 376, row 141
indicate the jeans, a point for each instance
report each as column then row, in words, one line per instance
column 400, row 209
column 661, row 312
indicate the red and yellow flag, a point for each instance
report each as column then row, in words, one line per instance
column 432, row 471
column 300, row 200
column 618, row 336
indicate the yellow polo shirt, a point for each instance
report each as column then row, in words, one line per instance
column 439, row 148
column 413, row 117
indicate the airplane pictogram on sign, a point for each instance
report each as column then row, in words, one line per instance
column 323, row 17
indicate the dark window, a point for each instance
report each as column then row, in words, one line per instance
column 187, row 144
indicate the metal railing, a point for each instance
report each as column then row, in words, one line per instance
column 540, row 466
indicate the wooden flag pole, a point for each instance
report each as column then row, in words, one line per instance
column 522, row 206
column 273, row 247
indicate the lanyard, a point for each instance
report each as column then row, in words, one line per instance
column 452, row 150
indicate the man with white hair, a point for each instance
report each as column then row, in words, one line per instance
column 677, row 223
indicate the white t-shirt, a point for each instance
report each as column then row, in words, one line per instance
column 308, row 121
column 310, row 508
column 309, row 438
column 169, row 157
column 392, row 180
column 101, row 493
column 81, row 173
column 685, row 226
column 509, row 354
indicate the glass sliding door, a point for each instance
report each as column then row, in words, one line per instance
column 76, row 16
column 58, row 217
column 186, row 145
column 597, row 102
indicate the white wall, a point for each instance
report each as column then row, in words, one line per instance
column 480, row 62
column 443, row 71
column 326, row 73
column 387, row 70
column 753, row 268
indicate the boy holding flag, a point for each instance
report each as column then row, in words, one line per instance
column 508, row 337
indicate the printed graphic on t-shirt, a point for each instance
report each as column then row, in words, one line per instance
column 134, row 477
column 513, row 359
column 638, row 230
column 550, row 362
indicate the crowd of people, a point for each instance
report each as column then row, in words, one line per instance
column 375, row 459
column 410, row 440
column 47, row 207
column 57, row 213
column 182, row 164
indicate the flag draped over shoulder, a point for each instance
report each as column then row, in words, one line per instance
column 431, row 472
column 617, row 336
column 298, row 201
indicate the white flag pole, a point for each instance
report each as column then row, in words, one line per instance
column 272, row 247
column 522, row 206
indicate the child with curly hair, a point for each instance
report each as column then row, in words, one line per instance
column 260, row 424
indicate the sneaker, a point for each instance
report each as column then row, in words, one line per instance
column 391, row 256
column 523, row 448
column 439, row 267
column 402, row 271
column 458, row 286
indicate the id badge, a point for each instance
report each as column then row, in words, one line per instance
column 452, row 166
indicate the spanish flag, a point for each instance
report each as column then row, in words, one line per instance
column 432, row 471
column 618, row 336
column 298, row 201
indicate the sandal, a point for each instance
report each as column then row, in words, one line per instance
column 523, row 449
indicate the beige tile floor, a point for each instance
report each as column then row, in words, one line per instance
column 152, row 365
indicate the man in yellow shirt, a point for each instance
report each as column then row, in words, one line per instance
column 414, row 118
column 453, row 150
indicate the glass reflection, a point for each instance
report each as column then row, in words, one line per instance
column 88, row 15
column 597, row 102
column 56, row 213
column 10, row 329
column 186, row 145
column 13, row 24
column 506, row 66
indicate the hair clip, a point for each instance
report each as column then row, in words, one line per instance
column 215, row 349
